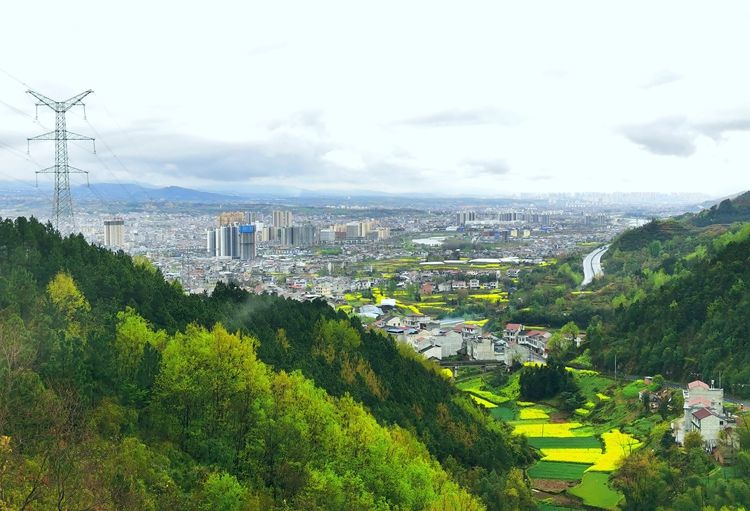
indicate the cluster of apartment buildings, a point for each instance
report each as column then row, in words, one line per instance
column 227, row 240
column 234, row 237
column 543, row 218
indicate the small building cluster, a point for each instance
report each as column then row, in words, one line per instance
column 704, row 413
column 535, row 340
column 435, row 339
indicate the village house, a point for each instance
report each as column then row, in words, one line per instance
column 444, row 287
column 703, row 412
column 450, row 341
column 431, row 351
column 537, row 340
column 426, row 288
column 417, row 320
column 512, row 331
column 480, row 348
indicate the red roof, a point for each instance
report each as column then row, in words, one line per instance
column 699, row 401
column 702, row 414
column 697, row 384
column 532, row 333
column 513, row 326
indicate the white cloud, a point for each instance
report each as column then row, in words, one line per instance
column 337, row 93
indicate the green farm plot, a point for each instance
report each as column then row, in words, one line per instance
column 580, row 442
column 504, row 413
column 475, row 386
column 558, row 470
column 595, row 491
column 545, row 506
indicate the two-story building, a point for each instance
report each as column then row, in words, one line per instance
column 703, row 412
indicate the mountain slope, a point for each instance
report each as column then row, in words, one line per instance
column 112, row 364
column 135, row 193
column 695, row 323
column 736, row 209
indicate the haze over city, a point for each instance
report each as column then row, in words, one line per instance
column 480, row 99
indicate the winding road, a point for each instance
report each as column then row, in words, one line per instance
column 592, row 265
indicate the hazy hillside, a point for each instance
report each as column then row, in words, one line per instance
column 727, row 211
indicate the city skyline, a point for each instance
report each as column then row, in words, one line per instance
column 343, row 98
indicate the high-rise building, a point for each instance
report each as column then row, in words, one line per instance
column 247, row 239
column 352, row 230
column 231, row 217
column 462, row 217
column 211, row 242
column 114, row 233
column 327, row 235
column 237, row 241
column 282, row 219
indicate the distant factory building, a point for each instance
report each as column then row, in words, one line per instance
column 114, row 233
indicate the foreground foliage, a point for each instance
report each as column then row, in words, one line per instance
column 120, row 392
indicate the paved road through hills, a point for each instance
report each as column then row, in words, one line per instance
column 592, row 265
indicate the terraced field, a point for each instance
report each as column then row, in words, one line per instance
column 575, row 454
column 558, row 470
column 595, row 491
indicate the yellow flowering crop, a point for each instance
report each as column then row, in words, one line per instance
column 572, row 455
column 617, row 446
column 483, row 402
column 533, row 413
column 561, row 430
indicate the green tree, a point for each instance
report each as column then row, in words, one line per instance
column 644, row 480
column 223, row 492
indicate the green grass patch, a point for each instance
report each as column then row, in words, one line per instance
column 477, row 387
column 504, row 413
column 631, row 390
column 558, row 470
column 576, row 442
column 546, row 506
column 595, row 491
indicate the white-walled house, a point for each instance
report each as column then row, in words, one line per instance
column 703, row 412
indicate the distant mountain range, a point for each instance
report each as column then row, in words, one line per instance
column 129, row 192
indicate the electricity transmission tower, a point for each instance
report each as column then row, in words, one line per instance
column 62, row 203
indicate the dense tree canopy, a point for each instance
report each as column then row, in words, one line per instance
column 120, row 392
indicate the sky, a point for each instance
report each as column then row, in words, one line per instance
column 452, row 98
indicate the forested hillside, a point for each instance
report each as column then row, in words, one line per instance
column 727, row 211
column 120, row 392
column 690, row 317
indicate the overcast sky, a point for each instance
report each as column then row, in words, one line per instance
column 447, row 97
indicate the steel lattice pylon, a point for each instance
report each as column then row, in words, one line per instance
column 62, row 203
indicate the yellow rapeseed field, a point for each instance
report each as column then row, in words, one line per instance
column 483, row 402
column 533, row 413
column 617, row 446
column 572, row 455
column 561, row 430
